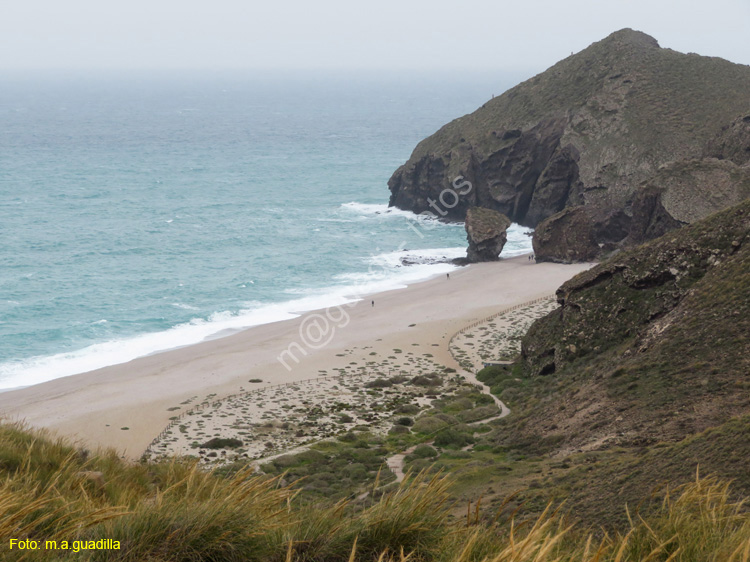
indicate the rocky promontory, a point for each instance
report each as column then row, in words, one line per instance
column 588, row 132
column 486, row 234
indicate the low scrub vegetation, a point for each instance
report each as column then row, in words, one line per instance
column 174, row 511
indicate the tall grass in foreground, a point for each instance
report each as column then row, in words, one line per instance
column 177, row 512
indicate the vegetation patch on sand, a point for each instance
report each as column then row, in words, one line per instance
column 272, row 420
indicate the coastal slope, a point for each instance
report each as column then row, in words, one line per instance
column 646, row 361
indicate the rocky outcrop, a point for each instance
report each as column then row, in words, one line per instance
column 486, row 233
column 580, row 234
column 684, row 192
column 586, row 132
column 627, row 296
column 680, row 193
column 732, row 143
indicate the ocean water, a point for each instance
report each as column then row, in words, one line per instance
column 142, row 213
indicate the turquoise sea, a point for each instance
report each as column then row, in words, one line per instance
column 140, row 213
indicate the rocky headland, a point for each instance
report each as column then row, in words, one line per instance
column 604, row 150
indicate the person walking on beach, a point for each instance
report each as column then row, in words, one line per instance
column 448, row 275
column 373, row 303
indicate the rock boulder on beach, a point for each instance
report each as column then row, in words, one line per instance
column 486, row 233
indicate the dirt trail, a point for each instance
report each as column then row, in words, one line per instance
column 396, row 462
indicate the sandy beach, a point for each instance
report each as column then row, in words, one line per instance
column 125, row 406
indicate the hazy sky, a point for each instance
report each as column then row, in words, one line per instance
column 384, row 34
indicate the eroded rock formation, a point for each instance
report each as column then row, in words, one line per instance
column 580, row 234
column 486, row 233
column 684, row 192
column 630, row 298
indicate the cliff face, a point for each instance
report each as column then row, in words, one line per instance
column 580, row 234
column 679, row 193
column 684, row 192
column 588, row 131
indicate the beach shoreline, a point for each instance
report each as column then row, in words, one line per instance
column 125, row 406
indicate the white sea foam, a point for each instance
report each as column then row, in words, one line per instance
column 370, row 208
column 36, row 370
column 519, row 241
column 411, row 258
column 184, row 306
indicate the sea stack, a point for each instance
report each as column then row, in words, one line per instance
column 486, row 233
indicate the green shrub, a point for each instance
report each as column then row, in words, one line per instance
column 407, row 409
column 379, row 383
column 311, row 456
column 494, row 374
column 452, row 438
column 509, row 394
column 457, row 454
column 459, row 404
column 428, row 424
column 447, row 418
column 222, row 443
column 427, row 380
column 399, row 430
column 484, row 400
column 479, row 413
column 425, row 451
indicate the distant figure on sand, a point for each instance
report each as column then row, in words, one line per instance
column 448, row 275
column 373, row 303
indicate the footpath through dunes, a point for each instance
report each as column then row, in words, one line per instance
column 126, row 406
column 495, row 339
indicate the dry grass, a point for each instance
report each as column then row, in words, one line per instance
column 177, row 512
